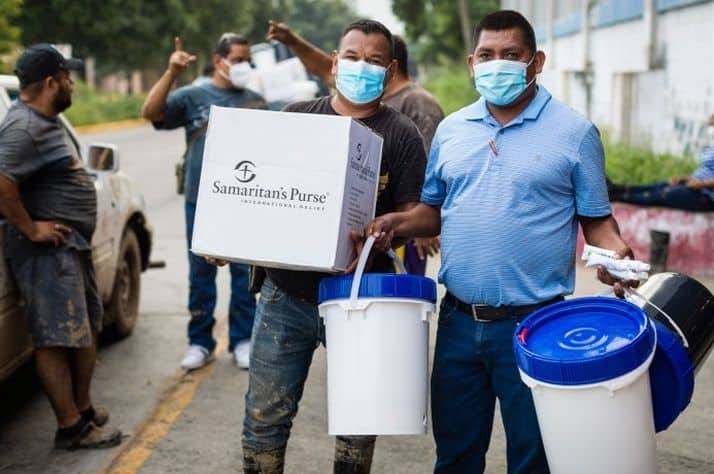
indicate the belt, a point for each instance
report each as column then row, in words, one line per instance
column 486, row 314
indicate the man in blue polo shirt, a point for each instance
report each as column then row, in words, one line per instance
column 509, row 179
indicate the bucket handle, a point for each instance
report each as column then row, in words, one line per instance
column 362, row 262
column 676, row 327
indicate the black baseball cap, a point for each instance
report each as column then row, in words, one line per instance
column 42, row 60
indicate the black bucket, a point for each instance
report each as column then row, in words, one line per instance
column 689, row 305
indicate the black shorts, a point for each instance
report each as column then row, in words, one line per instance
column 59, row 291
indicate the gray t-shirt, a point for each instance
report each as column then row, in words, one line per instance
column 38, row 154
column 420, row 106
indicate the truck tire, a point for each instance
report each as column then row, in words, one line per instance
column 123, row 307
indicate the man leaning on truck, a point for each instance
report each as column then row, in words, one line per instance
column 50, row 202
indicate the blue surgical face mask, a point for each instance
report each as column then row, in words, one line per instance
column 360, row 82
column 501, row 81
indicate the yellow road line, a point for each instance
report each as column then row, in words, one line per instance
column 105, row 127
column 137, row 451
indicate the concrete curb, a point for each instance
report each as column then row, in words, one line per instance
column 105, row 127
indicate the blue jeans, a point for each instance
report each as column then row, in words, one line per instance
column 202, row 298
column 676, row 196
column 474, row 364
column 287, row 331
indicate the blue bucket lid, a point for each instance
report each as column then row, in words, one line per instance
column 583, row 340
column 379, row 285
column 671, row 378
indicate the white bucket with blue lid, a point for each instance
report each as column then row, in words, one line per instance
column 377, row 333
column 586, row 362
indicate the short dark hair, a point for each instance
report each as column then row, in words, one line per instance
column 506, row 20
column 223, row 47
column 369, row 27
column 401, row 55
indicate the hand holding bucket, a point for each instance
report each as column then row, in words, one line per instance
column 362, row 262
column 377, row 339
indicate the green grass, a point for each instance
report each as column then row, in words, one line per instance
column 632, row 165
column 90, row 106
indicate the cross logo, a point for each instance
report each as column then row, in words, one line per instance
column 244, row 171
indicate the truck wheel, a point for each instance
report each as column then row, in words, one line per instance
column 123, row 307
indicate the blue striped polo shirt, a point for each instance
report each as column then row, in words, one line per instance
column 509, row 197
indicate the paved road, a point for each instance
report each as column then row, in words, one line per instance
column 191, row 423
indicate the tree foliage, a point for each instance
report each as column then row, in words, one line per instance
column 320, row 21
column 138, row 34
column 9, row 33
column 435, row 26
column 118, row 32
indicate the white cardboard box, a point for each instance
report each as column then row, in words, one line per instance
column 283, row 190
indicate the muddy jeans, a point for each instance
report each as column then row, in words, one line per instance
column 285, row 335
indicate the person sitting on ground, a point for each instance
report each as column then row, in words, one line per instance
column 689, row 193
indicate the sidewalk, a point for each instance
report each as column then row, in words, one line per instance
column 207, row 434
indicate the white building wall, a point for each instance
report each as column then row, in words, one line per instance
column 658, row 96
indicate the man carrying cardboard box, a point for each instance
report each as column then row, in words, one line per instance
column 189, row 107
column 288, row 328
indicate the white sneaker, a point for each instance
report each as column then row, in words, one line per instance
column 195, row 358
column 241, row 353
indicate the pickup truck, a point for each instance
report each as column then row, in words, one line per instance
column 121, row 247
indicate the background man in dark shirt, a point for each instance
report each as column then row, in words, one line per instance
column 402, row 93
column 189, row 107
column 288, row 328
column 50, row 203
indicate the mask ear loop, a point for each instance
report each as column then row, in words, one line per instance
column 222, row 73
column 534, row 75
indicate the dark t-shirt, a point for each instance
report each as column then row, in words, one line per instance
column 38, row 154
column 420, row 106
column 189, row 107
column 400, row 181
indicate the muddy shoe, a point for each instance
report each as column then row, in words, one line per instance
column 266, row 462
column 99, row 416
column 86, row 435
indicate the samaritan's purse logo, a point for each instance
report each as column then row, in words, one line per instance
column 245, row 171
column 258, row 193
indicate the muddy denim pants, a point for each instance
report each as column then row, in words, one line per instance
column 286, row 333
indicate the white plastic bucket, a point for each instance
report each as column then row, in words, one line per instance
column 377, row 353
column 591, row 428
